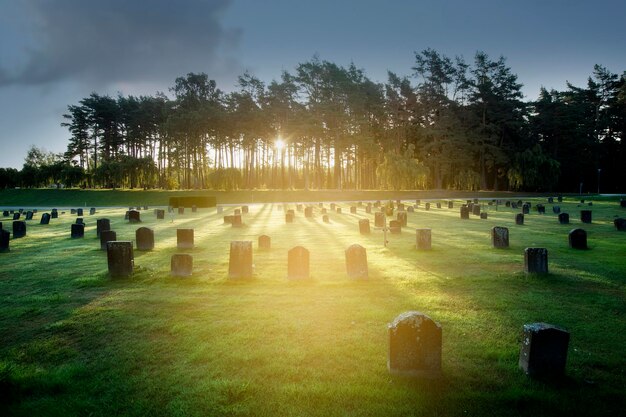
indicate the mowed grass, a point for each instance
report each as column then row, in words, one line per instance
column 76, row 342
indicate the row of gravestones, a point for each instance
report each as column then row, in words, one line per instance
column 415, row 345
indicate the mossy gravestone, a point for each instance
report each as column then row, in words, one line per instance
column 184, row 238
column 500, row 237
column 364, row 226
column 105, row 237
column 102, row 225
column 77, row 231
column 415, row 342
column 423, row 239
column 536, row 260
column 120, row 258
column 144, row 237
column 19, row 229
column 356, row 262
column 577, row 239
column 544, row 350
column 181, row 265
column 240, row 262
column 298, row 263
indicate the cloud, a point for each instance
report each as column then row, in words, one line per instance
column 104, row 42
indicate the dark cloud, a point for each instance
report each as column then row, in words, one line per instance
column 120, row 41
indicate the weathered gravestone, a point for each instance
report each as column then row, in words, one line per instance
column 507, row 204
column 145, row 207
column 402, row 218
column 536, row 260
column 144, row 238
column 237, row 221
column 45, row 218
column 356, row 262
column 265, row 242
column 379, row 219
column 543, row 352
column 550, row 200
column 79, row 212
column 500, row 237
column 181, row 265
column 556, row 209
column 126, row 215
column 106, row 236
column 5, row 237
column 54, row 213
column 415, row 342
column 29, row 215
column 352, row 209
column 464, row 212
column 559, row 199
column 298, row 263
column 620, row 224
column 364, row 226
column 564, row 218
column 308, row 212
column 423, row 239
column 240, row 262
column 400, row 206
column 577, row 239
column 120, row 258
column 395, row 227
column 160, row 214
column 134, row 216
column 298, row 207
column 476, row 210
column 19, row 229
column 514, row 205
column 324, row 211
column 184, row 238
column 450, row 204
column 181, row 210
column 77, row 231
column 519, row 219
column 102, row 225
column 16, row 216
column 585, row 216
column 289, row 217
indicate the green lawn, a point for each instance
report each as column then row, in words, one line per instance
column 75, row 342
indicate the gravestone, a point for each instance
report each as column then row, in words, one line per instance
column 325, row 218
column 464, row 212
column 402, row 218
column 536, row 260
column 507, row 204
column 19, row 229
column 16, row 216
column 418, row 201
column 299, row 207
column 379, row 219
column 45, row 218
column 228, row 219
column 5, row 237
column 415, row 342
column 377, row 204
column 324, row 211
column 410, row 209
column 577, row 239
column 438, row 205
column 368, row 209
column 29, row 215
column 475, row 201
column 54, row 213
column 308, row 212
column 620, row 224
column 541, row 209
column 544, row 350
column 514, row 205
column 181, row 210
column 427, row 206
column 237, row 212
column 145, row 207
column 564, row 218
column 220, row 210
column 126, row 215
column 194, row 208
column 144, row 238
column 237, row 221
column 106, row 236
column 338, row 210
column 320, row 205
column 92, row 211
column 483, row 215
column 423, row 239
column 356, row 262
column 134, row 216
column 500, row 237
column 450, row 204
column 79, row 220
column 333, row 206
column 364, row 226
column 102, row 225
column 120, row 258
column 72, row 211
column 395, row 227
column 289, row 217
column 5, row 213
column 525, row 209
column 298, row 263
column 559, row 199
column 79, row 212
column 181, row 265
column 160, row 214
column 77, row 231
column 400, row 206
column 240, row 262
column 265, row 242
column 352, row 209
column 184, row 238
column 476, row 210
column 519, row 219
column 170, row 209
column 556, row 209
column 550, row 200
column 585, row 216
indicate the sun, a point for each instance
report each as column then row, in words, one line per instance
column 279, row 143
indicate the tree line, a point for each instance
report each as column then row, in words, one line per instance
column 450, row 125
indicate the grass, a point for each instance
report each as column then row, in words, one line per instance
column 75, row 342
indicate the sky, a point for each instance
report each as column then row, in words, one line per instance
column 53, row 53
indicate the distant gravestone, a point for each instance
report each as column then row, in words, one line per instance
column 338, row 210
column 144, row 238
column 106, row 236
column 438, row 205
column 54, row 213
column 544, row 350
column 585, row 216
column 620, row 224
column 79, row 212
column 402, row 218
column 550, row 200
column 160, row 214
column 356, row 262
column 541, row 209
column 181, row 265
column 134, row 216
column 536, row 260
column 181, row 210
column 29, row 215
column 324, row 211
column 368, row 209
column 145, row 207
column 427, row 206
column 559, row 199
column 120, row 258
column 19, row 229
column 500, row 237
column 476, row 210
column 379, row 219
column 377, row 204
column 418, row 201
column 410, row 209
column 400, row 206
column 423, row 239
column 237, row 212
column 352, row 209
column 228, row 219
column 127, row 215
column 16, row 216
column 184, row 238
column 450, row 204
column 519, row 219
column 395, row 227
column 507, row 204
column 415, row 343
column 525, row 209
column 45, row 218
column 77, row 231
column 364, row 226
column 102, row 225
column 194, row 208
column 483, row 215
column 298, row 263
column 240, row 262
column 514, row 205
column 289, row 217
column 556, row 209
column 464, row 212
column 308, row 212
column 5, row 237
column 237, row 221
column 5, row 213
column 220, row 210
column 564, row 218
column 577, row 239
column 92, row 211
column 265, row 242
column 72, row 211
column 299, row 207
column 333, row 206
column 325, row 218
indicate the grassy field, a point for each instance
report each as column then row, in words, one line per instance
column 75, row 342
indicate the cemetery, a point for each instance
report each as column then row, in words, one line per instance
column 448, row 307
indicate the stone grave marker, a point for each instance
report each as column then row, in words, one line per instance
column 228, row 219
column 240, row 262
column 400, row 206
column 245, row 209
column 45, row 218
column 544, row 350
column 395, row 227
column 410, row 209
column 464, row 212
column 194, row 208
column 298, row 207
column 585, row 216
column 377, row 204
column 541, row 209
column 54, row 213
column 72, row 211
column 77, row 231
column 19, row 229
column 184, row 238
column 289, row 217
column 298, row 263
column 333, row 206
column 536, row 260
column 550, row 200
column 5, row 237
column 500, row 237
column 483, row 215
column 423, row 239
column 308, row 212
column 438, row 205
column 352, row 209
column 102, row 225
column 265, row 242
column 79, row 212
column 181, row 265
column 379, row 219
column 418, row 201
column 5, row 213
column 356, row 262
column 237, row 221
column 92, row 211
column 519, row 219
column 450, row 204
column 564, row 218
column 507, row 204
column 126, row 215
column 120, row 258
column 134, row 216
column 79, row 220
column 415, row 342
column 29, row 215
column 364, row 226
column 144, row 238
column 368, row 209
column 620, row 224
column 181, row 210
column 577, row 239
column 476, row 210
column 325, row 218
column 338, row 210
column 237, row 212
column 559, row 199
column 160, row 214
column 106, row 236
column 402, row 218
column 16, row 216
column 556, row 209
column 525, row 209
column 427, row 206
column 145, row 207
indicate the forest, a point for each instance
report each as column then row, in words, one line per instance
column 449, row 125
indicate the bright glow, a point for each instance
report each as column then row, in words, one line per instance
column 279, row 143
